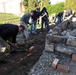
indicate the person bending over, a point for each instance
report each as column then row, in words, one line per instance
column 10, row 31
column 24, row 21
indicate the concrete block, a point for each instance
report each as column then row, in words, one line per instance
column 71, row 41
column 56, row 39
column 65, row 49
column 55, row 62
column 49, row 47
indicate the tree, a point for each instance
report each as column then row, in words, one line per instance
column 33, row 4
column 70, row 4
column 25, row 4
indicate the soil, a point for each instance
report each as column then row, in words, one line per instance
column 20, row 63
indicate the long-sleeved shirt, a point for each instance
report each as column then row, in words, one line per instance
column 62, row 15
column 8, row 31
column 36, row 15
column 44, row 17
column 25, row 18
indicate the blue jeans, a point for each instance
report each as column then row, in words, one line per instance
column 46, row 25
column 58, row 20
column 33, row 27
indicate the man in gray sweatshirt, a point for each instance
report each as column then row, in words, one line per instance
column 24, row 21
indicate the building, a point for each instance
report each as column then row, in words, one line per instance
column 56, row 1
column 11, row 6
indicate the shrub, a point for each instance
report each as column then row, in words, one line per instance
column 55, row 8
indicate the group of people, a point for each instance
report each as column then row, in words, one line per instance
column 34, row 15
column 61, row 16
column 10, row 30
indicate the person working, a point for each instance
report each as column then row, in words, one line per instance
column 34, row 21
column 59, row 17
column 24, row 21
column 10, row 31
column 45, row 20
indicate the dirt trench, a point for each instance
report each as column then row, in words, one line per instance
column 20, row 63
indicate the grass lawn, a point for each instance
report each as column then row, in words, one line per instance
column 8, row 18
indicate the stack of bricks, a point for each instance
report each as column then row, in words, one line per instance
column 60, row 67
column 62, row 39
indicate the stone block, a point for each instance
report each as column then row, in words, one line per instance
column 56, row 39
column 63, row 25
column 55, row 62
column 4, row 45
column 71, row 41
column 65, row 49
column 49, row 47
column 57, row 30
column 3, row 49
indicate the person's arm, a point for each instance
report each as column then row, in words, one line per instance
column 64, row 14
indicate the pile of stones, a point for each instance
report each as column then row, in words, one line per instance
column 62, row 38
column 59, row 56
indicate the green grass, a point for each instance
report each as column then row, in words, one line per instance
column 8, row 18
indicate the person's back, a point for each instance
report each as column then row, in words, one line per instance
column 8, row 30
column 11, row 27
column 44, row 12
column 60, row 14
column 25, row 18
column 35, row 16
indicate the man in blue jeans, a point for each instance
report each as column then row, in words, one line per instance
column 33, row 27
column 34, row 21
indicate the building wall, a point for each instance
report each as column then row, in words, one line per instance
column 11, row 6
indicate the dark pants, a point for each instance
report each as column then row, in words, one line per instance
column 46, row 25
column 58, row 20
